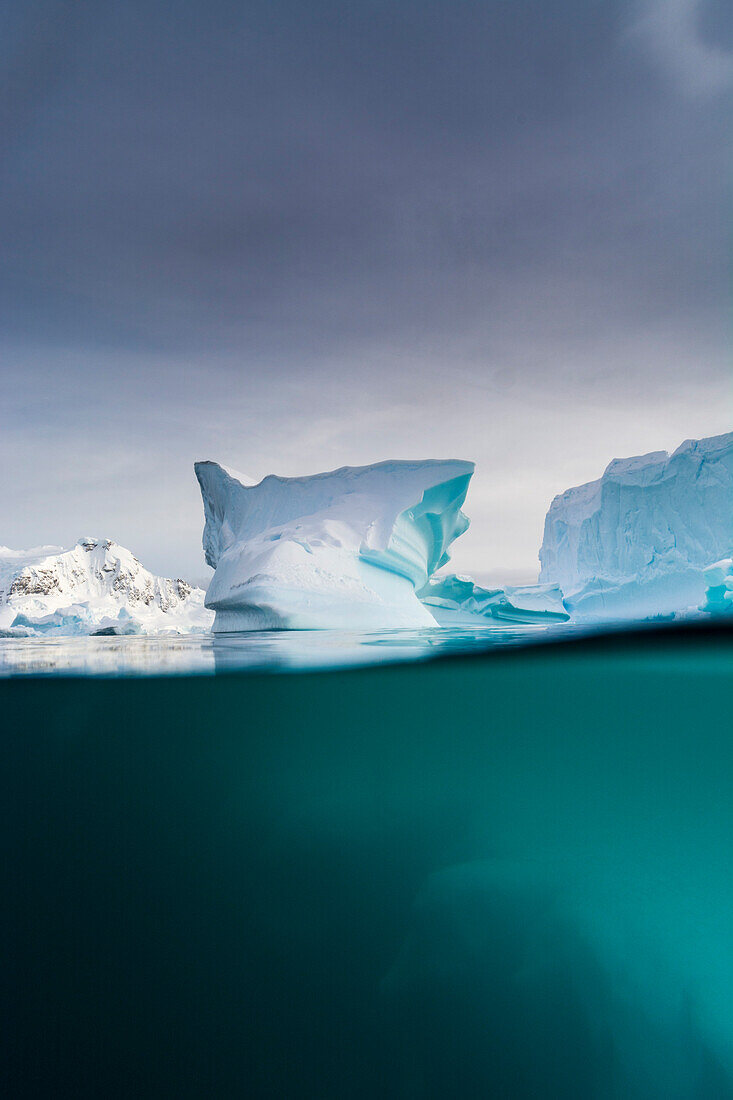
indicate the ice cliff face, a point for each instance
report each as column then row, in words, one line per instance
column 95, row 587
column 635, row 542
column 345, row 549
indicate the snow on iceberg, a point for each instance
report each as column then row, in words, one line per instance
column 344, row 549
column 635, row 542
column 718, row 580
column 96, row 587
column 455, row 599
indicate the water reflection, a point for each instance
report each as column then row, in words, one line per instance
column 274, row 650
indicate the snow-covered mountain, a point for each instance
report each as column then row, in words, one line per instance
column 95, row 587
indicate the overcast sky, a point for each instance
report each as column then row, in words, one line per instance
column 291, row 236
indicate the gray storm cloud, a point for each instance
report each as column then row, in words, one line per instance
column 292, row 237
column 674, row 33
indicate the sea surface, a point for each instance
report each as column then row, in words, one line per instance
column 255, row 650
column 405, row 867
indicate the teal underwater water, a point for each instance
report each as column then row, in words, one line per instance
column 507, row 874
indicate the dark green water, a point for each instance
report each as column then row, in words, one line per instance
column 506, row 875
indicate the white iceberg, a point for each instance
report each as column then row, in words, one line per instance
column 344, row 549
column 718, row 579
column 454, row 600
column 96, row 587
column 635, row 542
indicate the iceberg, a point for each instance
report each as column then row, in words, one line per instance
column 635, row 542
column 718, row 579
column 96, row 587
column 345, row 549
column 454, row 600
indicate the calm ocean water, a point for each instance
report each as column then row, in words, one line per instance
column 268, row 651
column 504, row 873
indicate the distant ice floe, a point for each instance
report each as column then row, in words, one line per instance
column 718, row 579
column 454, row 600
